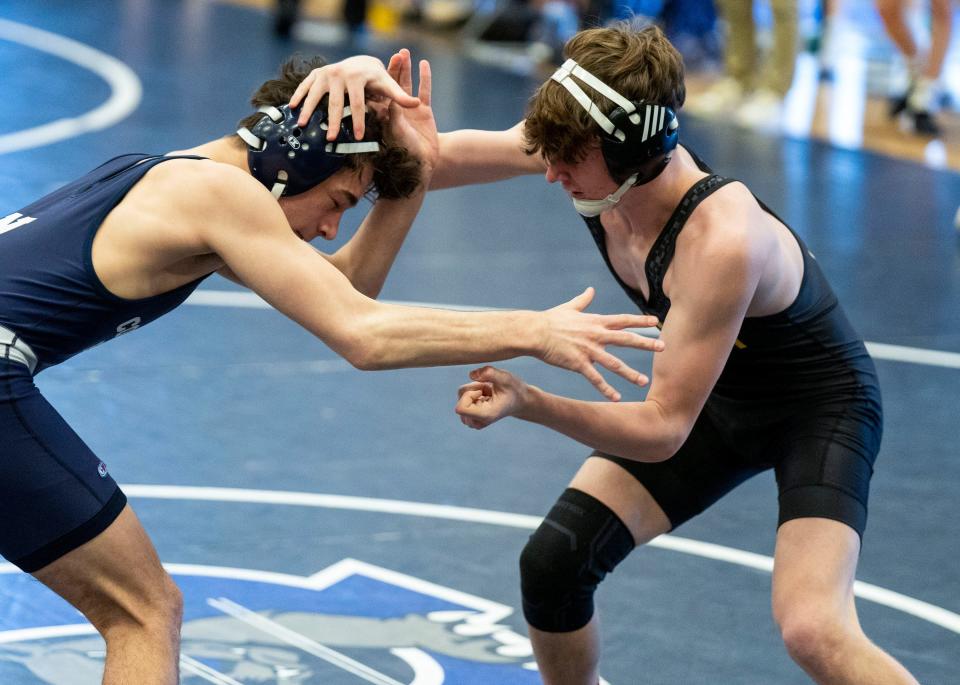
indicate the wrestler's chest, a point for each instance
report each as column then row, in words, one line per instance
column 628, row 257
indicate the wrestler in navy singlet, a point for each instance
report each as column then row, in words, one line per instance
column 799, row 394
column 49, row 293
column 55, row 494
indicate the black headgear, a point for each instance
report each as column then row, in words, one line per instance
column 637, row 138
column 290, row 159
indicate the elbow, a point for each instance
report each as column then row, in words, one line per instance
column 668, row 445
column 669, row 436
column 658, row 452
column 365, row 357
column 358, row 336
column 361, row 351
column 361, row 362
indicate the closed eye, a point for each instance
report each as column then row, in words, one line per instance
column 346, row 200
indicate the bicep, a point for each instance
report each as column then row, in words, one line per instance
column 699, row 333
column 685, row 372
column 261, row 251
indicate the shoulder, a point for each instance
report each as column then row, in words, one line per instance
column 199, row 180
column 722, row 221
column 209, row 194
column 725, row 235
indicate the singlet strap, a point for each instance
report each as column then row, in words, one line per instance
column 661, row 254
column 123, row 166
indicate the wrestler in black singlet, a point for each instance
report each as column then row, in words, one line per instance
column 798, row 394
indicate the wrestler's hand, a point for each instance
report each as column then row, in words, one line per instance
column 576, row 341
column 414, row 128
column 493, row 394
column 360, row 77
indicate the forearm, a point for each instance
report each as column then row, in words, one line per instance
column 633, row 430
column 393, row 336
column 368, row 256
column 471, row 157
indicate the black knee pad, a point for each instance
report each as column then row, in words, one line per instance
column 578, row 543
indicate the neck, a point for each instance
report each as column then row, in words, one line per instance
column 646, row 208
column 226, row 150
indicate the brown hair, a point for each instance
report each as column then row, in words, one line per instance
column 637, row 62
column 396, row 173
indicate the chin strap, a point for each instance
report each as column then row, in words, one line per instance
column 598, row 207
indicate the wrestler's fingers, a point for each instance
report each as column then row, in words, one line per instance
column 334, row 112
column 621, row 368
column 358, row 109
column 302, row 89
column 598, row 381
column 633, row 340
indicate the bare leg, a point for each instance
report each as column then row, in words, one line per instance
column 814, row 567
column 117, row 582
column 740, row 46
column 573, row 658
column 892, row 11
column 568, row 658
column 941, row 22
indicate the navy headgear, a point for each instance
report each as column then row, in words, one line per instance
column 638, row 138
column 290, row 159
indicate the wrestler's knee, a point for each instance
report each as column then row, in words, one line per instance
column 813, row 631
column 578, row 543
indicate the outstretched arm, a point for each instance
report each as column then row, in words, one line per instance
column 699, row 333
column 244, row 225
column 470, row 156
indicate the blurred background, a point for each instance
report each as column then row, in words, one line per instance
column 882, row 74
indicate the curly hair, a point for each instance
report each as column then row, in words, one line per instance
column 637, row 62
column 396, row 173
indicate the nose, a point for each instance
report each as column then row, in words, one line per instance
column 328, row 230
column 552, row 174
column 555, row 172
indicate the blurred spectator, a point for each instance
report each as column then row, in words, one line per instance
column 689, row 24
column 285, row 16
column 822, row 42
column 540, row 26
column 544, row 26
column 556, row 23
column 922, row 96
column 753, row 89
column 286, row 13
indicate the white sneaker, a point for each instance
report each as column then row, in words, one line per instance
column 923, row 95
column 763, row 111
column 723, row 97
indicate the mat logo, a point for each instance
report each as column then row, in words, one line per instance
column 350, row 623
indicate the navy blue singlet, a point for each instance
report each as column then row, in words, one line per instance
column 50, row 295
column 55, row 493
